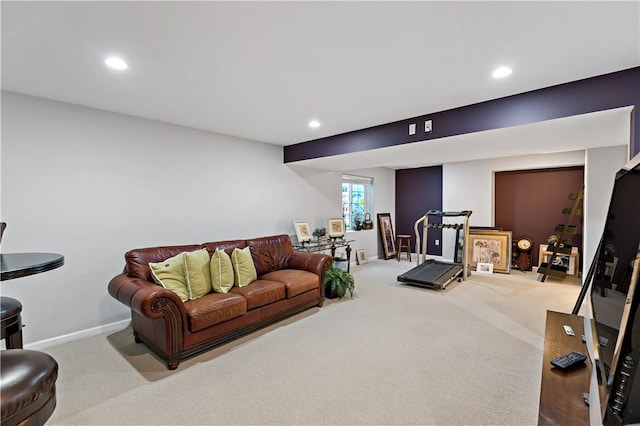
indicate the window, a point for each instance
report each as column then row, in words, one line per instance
column 357, row 194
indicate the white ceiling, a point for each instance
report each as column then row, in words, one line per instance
column 262, row 70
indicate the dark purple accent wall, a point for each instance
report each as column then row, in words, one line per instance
column 614, row 90
column 529, row 203
column 418, row 191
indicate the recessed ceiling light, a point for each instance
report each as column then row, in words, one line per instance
column 314, row 124
column 116, row 63
column 501, row 72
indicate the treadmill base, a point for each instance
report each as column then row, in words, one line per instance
column 432, row 274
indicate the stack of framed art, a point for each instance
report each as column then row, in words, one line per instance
column 487, row 246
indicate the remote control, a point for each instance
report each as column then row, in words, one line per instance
column 570, row 360
column 568, row 330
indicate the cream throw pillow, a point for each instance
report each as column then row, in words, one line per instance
column 170, row 275
column 196, row 272
column 221, row 272
column 244, row 271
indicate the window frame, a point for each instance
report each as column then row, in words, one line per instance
column 367, row 195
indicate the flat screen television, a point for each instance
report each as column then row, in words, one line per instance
column 614, row 295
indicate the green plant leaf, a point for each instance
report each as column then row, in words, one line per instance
column 340, row 281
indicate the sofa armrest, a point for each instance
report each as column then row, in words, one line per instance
column 317, row 263
column 146, row 298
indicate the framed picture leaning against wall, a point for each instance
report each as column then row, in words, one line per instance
column 486, row 246
column 386, row 234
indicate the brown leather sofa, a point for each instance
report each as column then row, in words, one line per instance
column 288, row 282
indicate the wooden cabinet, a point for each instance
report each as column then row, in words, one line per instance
column 562, row 392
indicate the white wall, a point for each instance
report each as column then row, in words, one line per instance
column 601, row 165
column 330, row 182
column 384, row 184
column 91, row 185
column 469, row 185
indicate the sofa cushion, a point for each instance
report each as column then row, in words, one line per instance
column 221, row 271
column 170, row 275
column 227, row 246
column 196, row 272
column 137, row 260
column 270, row 253
column 295, row 281
column 244, row 272
column 261, row 292
column 214, row 308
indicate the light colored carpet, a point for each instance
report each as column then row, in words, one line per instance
column 394, row 354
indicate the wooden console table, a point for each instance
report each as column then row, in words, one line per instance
column 562, row 392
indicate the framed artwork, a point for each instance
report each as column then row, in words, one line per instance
column 570, row 261
column 386, row 234
column 303, row 231
column 336, row 227
column 484, row 268
column 457, row 254
column 361, row 257
column 543, row 248
column 487, row 246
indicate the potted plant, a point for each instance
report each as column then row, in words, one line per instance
column 553, row 239
column 337, row 281
column 358, row 221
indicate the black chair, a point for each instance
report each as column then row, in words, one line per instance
column 27, row 387
column 11, row 322
column 10, row 315
column 28, row 378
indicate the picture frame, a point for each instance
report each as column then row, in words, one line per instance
column 459, row 245
column 490, row 246
column 484, row 268
column 335, row 227
column 361, row 257
column 570, row 261
column 543, row 253
column 386, row 235
column 303, row 230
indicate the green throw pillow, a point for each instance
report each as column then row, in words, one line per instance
column 244, row 271
column 221, row 272
column 196, row 272
column 170, row 275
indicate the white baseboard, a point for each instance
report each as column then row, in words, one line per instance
column 66, row 338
